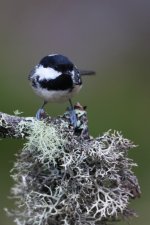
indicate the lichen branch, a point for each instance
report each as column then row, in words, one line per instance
column 9, row 125
column 19, row 127
column 63, row 176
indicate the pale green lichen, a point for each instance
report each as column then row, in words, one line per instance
column 64, row 179
column 17, row 112
column 46, row 141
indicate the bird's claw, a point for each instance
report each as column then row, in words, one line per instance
column 40, row 114
column 73, row 117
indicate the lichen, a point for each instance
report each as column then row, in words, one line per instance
column 62, row 178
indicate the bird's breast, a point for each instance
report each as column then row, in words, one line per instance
column 56, row 95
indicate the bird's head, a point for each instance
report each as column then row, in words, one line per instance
column 56, row 65
column 57, row 62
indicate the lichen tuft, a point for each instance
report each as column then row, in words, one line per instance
column 63, row 179
column 46, row 141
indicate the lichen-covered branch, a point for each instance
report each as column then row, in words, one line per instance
column 9, row 125
column 19, row 127
column 63, row 176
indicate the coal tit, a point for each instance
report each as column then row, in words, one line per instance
column 57, row 79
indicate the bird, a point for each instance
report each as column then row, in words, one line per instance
column 56, row 79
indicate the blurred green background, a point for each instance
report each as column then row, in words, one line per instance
column 113, row 38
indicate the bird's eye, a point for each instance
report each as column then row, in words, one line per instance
column 37, row 78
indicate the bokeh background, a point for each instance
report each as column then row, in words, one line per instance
column 110, row 36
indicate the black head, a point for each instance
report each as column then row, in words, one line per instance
column 58, row 62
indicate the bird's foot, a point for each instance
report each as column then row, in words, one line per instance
column 73, row 116
column 40, row 114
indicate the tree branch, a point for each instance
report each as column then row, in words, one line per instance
column 18, row 127
column 9, row 125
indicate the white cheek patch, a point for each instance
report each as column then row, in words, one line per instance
column 46, row 73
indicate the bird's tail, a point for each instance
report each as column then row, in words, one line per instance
column 87, row 72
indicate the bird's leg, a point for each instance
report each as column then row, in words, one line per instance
column 41, row 111
column 73, row 117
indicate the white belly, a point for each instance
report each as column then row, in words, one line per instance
column 57, row 96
